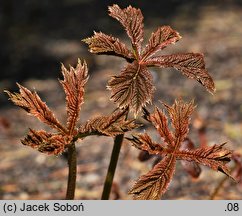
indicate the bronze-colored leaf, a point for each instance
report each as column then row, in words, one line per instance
column 145, row 143
column 214, row 157
column 101, row 43
column 32, row 104
column 52, row 144
column 155, row 183
column 180, row 113
column 125, row 88
column 133, row 88
column 73, row 85
column 159, row 39
column 132, row 20
column 159, row 120
column 112, row 125
column 190, row 64
column 177, row 146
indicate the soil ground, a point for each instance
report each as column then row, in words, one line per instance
column 39, row 36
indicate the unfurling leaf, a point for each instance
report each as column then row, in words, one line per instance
column 132, row 20
column 32, row 104
column 153, row 184
column 133, row 88
column 52, row 144
column 112, row 125
column 190, row 64
column 73, row 85
column 104, row 44
column 180, row 113
column 159, row 120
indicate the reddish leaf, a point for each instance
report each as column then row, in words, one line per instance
column 112, row 125
column 180, row 113
column 132, row 20
column 133, row 88
column 190, row 64
column 104, row 44
column 124, row 86
column 32, row 104
column 159, row 39
column 153, row 184
column 73, row 85
column 52, row 144
column 159, row 120
column 214, row 157
column 145, row 143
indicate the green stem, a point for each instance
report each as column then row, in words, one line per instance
column 112, row 166
column 71, row 185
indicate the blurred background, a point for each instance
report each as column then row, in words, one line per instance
column 36, row 36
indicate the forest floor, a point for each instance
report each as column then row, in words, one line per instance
column 28, row 174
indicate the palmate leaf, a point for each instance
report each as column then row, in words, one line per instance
column 47, row 142
column 31, row 103
column 190, row 64
column 55, row 143
column 133, row 88
column 112, row 125
column 101, row 43
column 73, row 85
column 132, row 20
column 153, row 184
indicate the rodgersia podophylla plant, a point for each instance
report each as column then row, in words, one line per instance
column 67, row 134
column 156, row 181
column 134, row 88
column 55, row 143
column 131, row 90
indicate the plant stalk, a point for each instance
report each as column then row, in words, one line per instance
column 71, row 184
column 112, row 166
column 220, row 185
